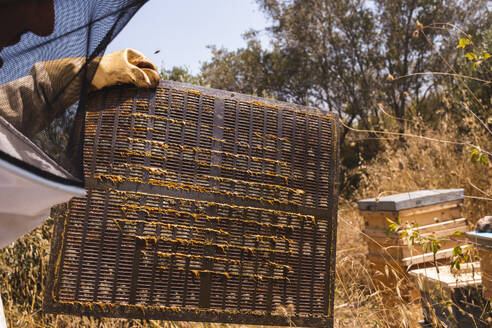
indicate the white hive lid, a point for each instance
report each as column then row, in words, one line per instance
column 412, row 199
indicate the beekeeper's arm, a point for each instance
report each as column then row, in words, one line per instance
column 31, row 103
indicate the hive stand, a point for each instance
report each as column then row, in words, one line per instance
column 452, row 297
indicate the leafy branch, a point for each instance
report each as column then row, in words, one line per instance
column 477, row 59
column 429, row 242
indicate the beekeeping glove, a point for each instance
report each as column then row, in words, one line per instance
column 125, row 66
column 31, row 103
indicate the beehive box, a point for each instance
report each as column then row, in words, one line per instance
column 453, row 297
column 434, row 213
column 202, row 205
column 483, row 242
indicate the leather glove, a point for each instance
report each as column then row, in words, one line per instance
column 125, row 66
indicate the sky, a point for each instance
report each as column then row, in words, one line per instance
column 182, row 29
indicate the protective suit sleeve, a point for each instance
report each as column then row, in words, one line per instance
column 31, row 103
column 25, row 102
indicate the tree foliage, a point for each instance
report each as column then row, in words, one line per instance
column 344, row 56
column 181, row 74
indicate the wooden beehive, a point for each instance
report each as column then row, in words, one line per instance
column 435, row 213
column 452, row 297
column 483, row 241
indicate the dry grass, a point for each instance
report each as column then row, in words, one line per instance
column 414, row 165
column 358, row 303
column 419, row 164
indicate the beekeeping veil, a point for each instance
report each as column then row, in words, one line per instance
column 32, row 76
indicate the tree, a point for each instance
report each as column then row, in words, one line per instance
column 324, row 54
column 181, row 74
column 406, row 51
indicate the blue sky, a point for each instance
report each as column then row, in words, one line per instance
column 182, row 29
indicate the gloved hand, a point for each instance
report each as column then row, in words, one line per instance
column 125, row 66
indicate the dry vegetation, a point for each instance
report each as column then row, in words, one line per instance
column 418, row 164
